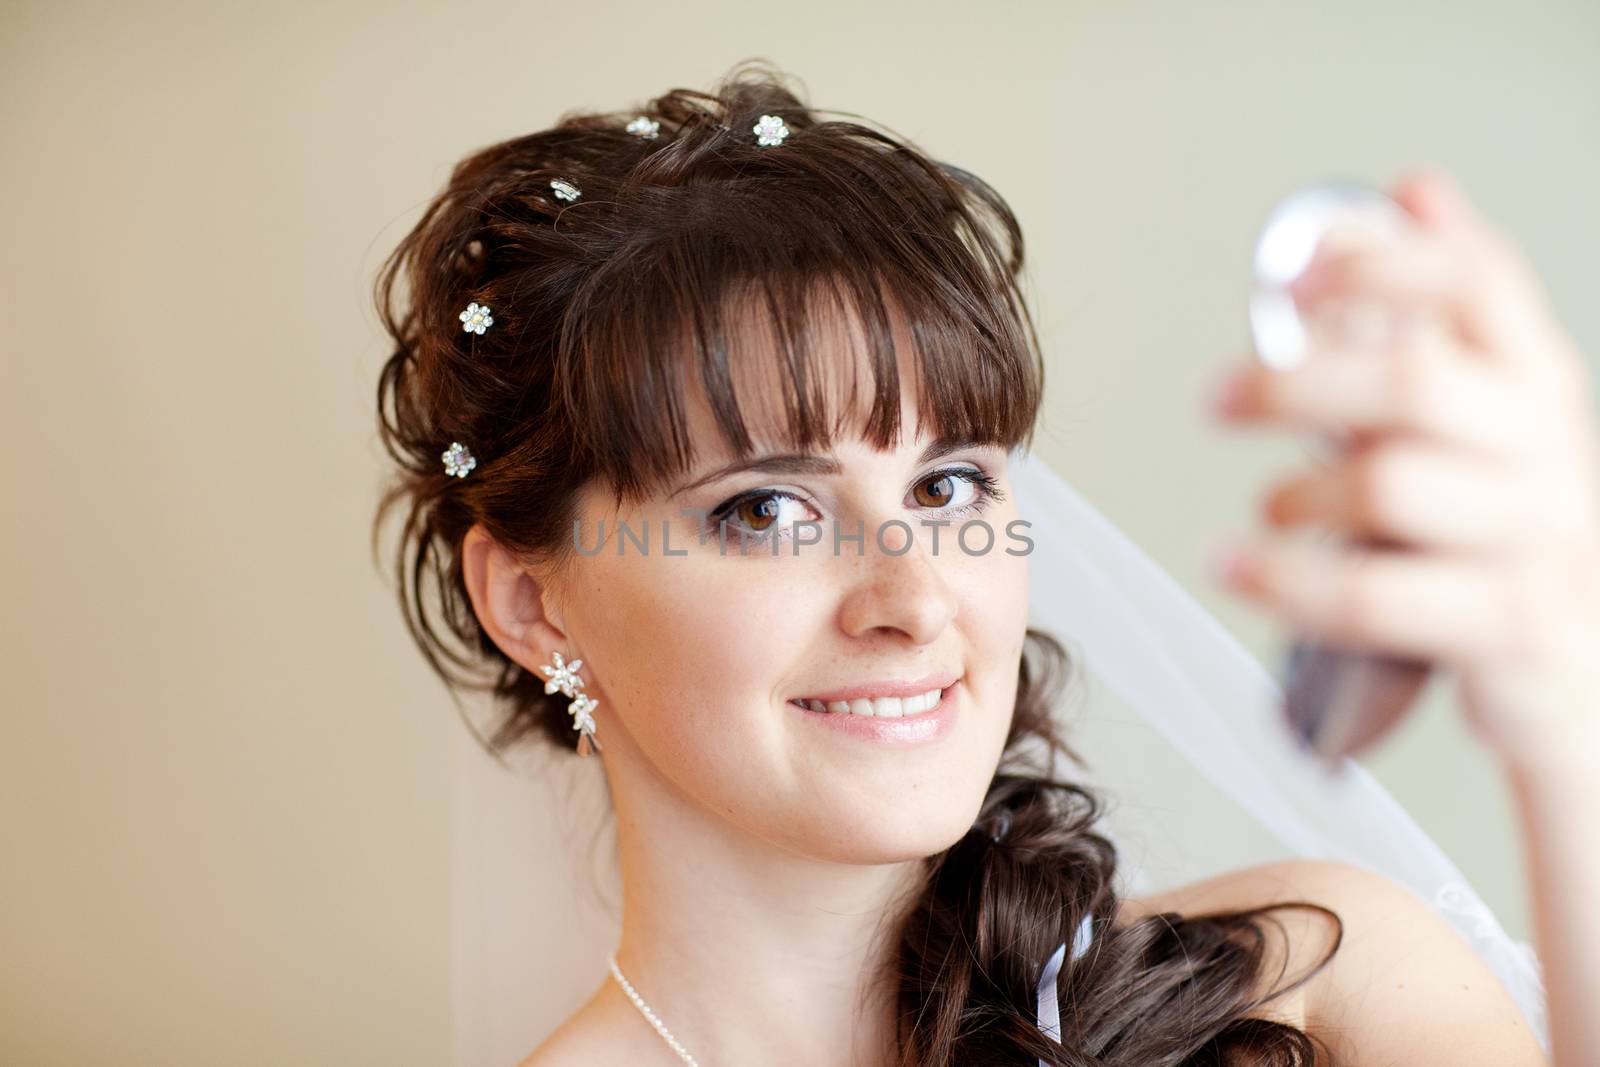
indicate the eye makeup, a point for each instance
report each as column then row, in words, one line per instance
column 723, row 517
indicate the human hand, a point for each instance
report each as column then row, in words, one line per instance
column 1474, row 458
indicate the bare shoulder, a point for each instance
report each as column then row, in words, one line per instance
column 1401, row 986
column 600, row 1032
column 569, row 1046
column 1302, row 936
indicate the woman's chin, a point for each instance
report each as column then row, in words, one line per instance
column 876, row 836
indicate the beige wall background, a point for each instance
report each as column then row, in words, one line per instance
column 228, row 779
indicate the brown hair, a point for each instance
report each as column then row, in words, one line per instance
column 601, row 307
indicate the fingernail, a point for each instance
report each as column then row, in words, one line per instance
column 1311, row 281
column 1230, row 562
column 1226, row 395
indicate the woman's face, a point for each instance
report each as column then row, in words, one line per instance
column 697, row 648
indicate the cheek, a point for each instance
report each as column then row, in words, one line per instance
column 994, row 619
column 997, row 588
column 691, row 649
column 994, row 591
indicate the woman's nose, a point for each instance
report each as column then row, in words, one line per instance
column 904, row 592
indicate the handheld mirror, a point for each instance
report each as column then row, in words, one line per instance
column 1336, row 700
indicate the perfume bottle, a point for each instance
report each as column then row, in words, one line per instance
column 1336, row 700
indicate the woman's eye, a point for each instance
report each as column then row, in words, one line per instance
column 761, row 513
column 961, row 489
column 940, row 490
column 764, row 512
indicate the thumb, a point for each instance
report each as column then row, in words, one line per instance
column 1436, row 199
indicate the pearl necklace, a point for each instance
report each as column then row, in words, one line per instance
column 650, row 1016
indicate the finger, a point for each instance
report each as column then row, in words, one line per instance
column 1391, row 600
column 1418, row 269
column 1439, row 202
column 1413, row 492
column 1452, row 262
column 1424, row 390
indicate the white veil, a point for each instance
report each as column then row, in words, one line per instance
column 1180, row 727
column 1182, row 719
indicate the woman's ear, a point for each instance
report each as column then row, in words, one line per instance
column 511, row 604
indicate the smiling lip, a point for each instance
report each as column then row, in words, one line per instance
column 923, row 728
column 885, row 689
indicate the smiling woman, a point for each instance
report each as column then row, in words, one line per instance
column 728, row 317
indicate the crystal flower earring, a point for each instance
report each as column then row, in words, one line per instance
column 564, row 679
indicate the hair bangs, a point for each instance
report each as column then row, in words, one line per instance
column 765, row 312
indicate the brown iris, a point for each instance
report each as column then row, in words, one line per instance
column 943, row 479
column 764, row 508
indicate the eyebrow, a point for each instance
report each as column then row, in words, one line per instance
column 811, row 463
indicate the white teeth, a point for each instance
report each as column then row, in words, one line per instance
column 883, row 707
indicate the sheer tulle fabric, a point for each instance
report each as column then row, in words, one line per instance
column 1182, row 728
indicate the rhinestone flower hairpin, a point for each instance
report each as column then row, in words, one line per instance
column 770, row 130
column 458, row 460
column 476, row 318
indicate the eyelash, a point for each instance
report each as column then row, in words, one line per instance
column 988, row 487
